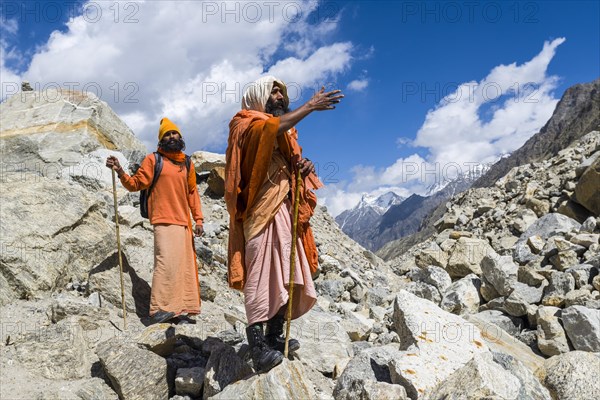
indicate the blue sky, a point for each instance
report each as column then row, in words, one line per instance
column 501, row 67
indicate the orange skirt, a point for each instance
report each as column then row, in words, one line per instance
column 175, row 286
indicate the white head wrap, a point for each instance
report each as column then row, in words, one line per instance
column 257, row 94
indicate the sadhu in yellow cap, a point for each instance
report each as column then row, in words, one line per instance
column 167, row 125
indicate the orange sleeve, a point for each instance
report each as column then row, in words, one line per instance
column 142, row 179
column 194, row 198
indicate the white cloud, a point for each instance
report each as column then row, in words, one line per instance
column 520, row 100
column 523, row 100
column 188, row 60
column 358, row 85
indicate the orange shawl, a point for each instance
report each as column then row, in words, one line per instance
column 252, row 135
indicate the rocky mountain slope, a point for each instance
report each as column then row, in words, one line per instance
column 374, row 227
column 507, row 309
column 577, row 113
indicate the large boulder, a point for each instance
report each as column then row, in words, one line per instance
column 547, row 226
column 55, row 127
column 287, row 381
column 49, row 243
column 479, row 378
column 466, row 257
column 582, row 325
column 323, row 339
column 572, row 376
column 54, row 144
column 587, row 190
column 135, row 373
column 364, row 372
column 57, row 351
column 433, row 343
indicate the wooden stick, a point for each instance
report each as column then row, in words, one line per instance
column 292, row 260
column 119, row 249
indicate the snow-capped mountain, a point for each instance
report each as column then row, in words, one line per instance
column 473, row 173
column 366, row 213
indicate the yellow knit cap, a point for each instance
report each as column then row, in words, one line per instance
column 167, row 125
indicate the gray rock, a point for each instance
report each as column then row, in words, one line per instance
column 487, row 290
column 524, row 219
column 581, row 274
column 382, row 390
column 286, row 381
column 550, row 225
column 58, row 352
column 188, row 381
column 158, row 338
column 547, row 226
column 466, row 257
column 224, row 367
column 531, row 387
column 357, row 326
column 424, row 291
column 560, row 284
column 501, row 272
column 500, row 341
column 536, row 243
column 38, row 257
column 332, row 288
column 530, row 276
column 564, row 259
column 329, row 264
column 371, row 365
column 552, row 339
column 589, row 225
column 432, row 275
column 583, row 327
column 585, row 239
column 428, row 334
column 431, row 255
column 572, row 376
column 510, row 324
column 323, row 339
column 587, row 190
column 95, row 389
column 462, row 297
column 581, row 297
column 377, row 296
column 65, row 305
column 134, row 373
column 539, row 207
column 479, row 378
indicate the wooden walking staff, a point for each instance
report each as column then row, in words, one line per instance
column 292, row 260
column 119, row 249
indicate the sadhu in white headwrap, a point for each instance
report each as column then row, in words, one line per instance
column 257, row 94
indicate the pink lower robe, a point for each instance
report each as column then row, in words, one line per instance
column 268, row 271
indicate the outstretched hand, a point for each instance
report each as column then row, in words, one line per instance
column 323, row 100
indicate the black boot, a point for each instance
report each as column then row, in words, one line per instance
column 263, row 357
column 275, row 338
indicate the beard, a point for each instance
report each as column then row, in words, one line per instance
column 276, row 108
column 172, row 145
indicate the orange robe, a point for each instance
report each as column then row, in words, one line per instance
column 175, row 285
column 252, row 140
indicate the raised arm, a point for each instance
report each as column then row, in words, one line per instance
column 321, row 101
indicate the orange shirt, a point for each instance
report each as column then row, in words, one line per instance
column 170, row 201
